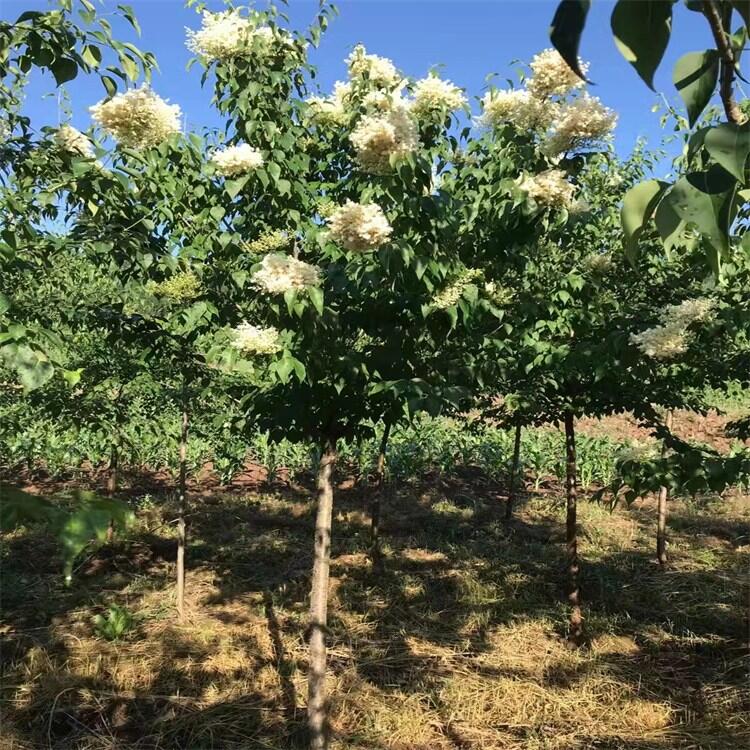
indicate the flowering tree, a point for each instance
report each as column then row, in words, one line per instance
column 709, row 198
column 39, row 166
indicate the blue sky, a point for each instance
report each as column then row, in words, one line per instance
column 470, row 38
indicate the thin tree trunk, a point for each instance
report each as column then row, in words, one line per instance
column 182, row 508
column 376, row 501
column 317, row 708
column 113, row 467
column 112, row 485
column 514, row 474
column 661, row 527
column 571, row 529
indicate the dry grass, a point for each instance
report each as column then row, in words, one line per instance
column 459, row 644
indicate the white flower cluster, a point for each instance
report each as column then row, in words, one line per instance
column 582, row 123
column 549, row 188
column 552, row 76
column 518, row 107
column 379, row 71
column 73, row 142
column 434, row 97
column 227, row 34
column 450, row 296
column 282, row 273
column 672, row 338
column 360, row 227
column 377, row 138
column 138, row 118
column 331, row 110
column 698, row 310
column 499, row 295
column 236, row 160
column 599, row 263
column 255, row 340
column 5, row 131
column 661, row 342
column 222, row 35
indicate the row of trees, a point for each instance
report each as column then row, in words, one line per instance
column 328, row 264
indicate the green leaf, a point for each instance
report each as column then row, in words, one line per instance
column 233, row 187
column 239, row 278
column 72, row 377
column 64, row 69
column 637, row 208
column 316, row 297
column 129, row 66
column 695, row 76
column 91, row 55
column 729, row 145
column 90, row 522
column 274, row 170
column 33, row 368
column 18, row 508
column 701, row 210
column 4, row 303
column 217, row 212
column 566, row 29
column 284, row 368
column 641, row 29
column 110, row 85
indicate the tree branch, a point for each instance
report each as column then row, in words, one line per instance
column 726, row 53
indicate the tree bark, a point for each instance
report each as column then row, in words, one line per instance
column 112, row 485
column 317, row 707
column 113, row 466
column 719, row 20
column 514, row 472
column 571, row 529
column 661, row 525
column 377, row 499
column 182, row 509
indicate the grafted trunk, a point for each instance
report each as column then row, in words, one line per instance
column 182, row 510
column 661, row 524
column 571, row 532
column 514, row 474
column 317, row 707
column 376, row 500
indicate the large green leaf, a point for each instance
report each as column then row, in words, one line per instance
column 695, row 76
column 566, row 29
column 33, row 367
column 729, row 145
column 700, row 209
column 89, row 523
column 64, row 69
column 637, row 208
column 18, row 507
column 641, row 29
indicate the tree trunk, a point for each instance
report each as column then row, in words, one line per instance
column 182, row 509
column 113, row 466
column 661, row 526
column 112, row 485
column 376, row 500
column 317, row 708
column 571, row 528
column 514, row 474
